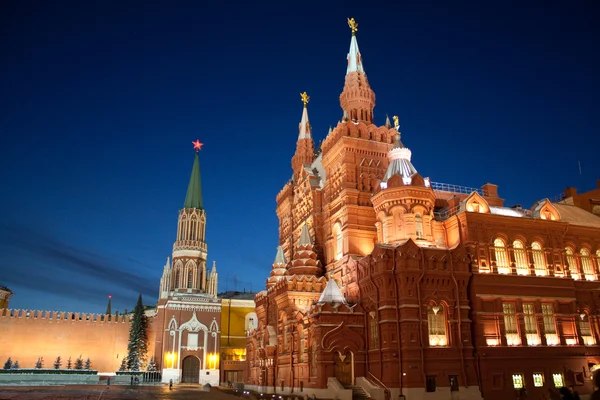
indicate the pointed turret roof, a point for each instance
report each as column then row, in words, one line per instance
column 332, row 294
column 214, row 268
column 193, row 197
column 304, row 126
column 279, row 257
column 354, row 58
column 305, row 237
column 388, row 124
column 399, row 157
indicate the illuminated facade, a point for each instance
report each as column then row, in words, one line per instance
column 188, row 318
column 238, row 316
column 5, row 295
column 388, row 283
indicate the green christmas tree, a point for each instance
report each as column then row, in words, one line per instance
column 16, row 365
column 8, row 364
column 151, row 365
column 138, row 338
column 79, row 363
column 40, row 363
column 69, row 363
column 57, row 363
column 123, row 366
column 88, row 364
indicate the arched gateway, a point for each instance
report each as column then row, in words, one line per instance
column 191, row 370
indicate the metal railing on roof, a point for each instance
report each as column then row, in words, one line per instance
column 445, row 213
column 557, row 198
column 448, row 187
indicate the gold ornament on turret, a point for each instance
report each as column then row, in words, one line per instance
column 305, row 98
column 353, row 25
column 396, row 123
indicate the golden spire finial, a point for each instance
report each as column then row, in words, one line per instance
column 305, row 98
column 353, row 25
column 396, row 123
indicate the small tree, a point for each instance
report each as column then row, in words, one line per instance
column 40, row 363
column 69, row 363
column 88, row 364
column 16, row 365
column 79, row 363
column 151, row 365
column 123, row 366
column 8, row 364
column 57, row 363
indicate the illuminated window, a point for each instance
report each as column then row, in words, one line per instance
column 539, row 260
column 586, row 265
column 531, row 330
column 538, row 380
column 572, row 263
column 339, row 249
column 501, row 257
column 558, row 380
column 549, row 324
column 510, row 324
column 436, row 322
column 517, row 381
column 419, row 225
column 374, row 333
column 520, row 258
column 586, row 330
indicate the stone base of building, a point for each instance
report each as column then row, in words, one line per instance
column 169, row 374
column 210, row 376
column 336, row 391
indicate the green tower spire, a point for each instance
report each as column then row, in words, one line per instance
column 193, row 198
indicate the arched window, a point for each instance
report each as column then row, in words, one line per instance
column 587, row 266
column 436, row 323
column 419, row 225
column 586, row 330
column 176, row 284
column 193, row 229
column 501, row 257
column 190, row 279
column 520, row 258
column 572, row 263
column 539, row 260
column 339, row 244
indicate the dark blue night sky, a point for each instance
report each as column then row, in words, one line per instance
column 100, row 101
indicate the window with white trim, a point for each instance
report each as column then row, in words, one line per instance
column 549, row 324
column 521, row 264
column 587, row 266
column 436, row 324
column 572, row 263
column 419, row 225
column 531, row 329
column 539, row 259
column 501, row 256
column 586, row 330
column 511, row 329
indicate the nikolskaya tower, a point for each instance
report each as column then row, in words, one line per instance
column 188, row 311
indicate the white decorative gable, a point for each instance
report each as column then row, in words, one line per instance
column 193, row 325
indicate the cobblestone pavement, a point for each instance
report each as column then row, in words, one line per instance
column 89, row 392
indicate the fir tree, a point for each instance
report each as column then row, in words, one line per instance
column 88, row 364
column 79, row 363
column 123, row 364
column 40, row 363
column 8, row 364
column 69, row 363
column 138, row 338
column 16, row 365
column 57, row 363
column 151, row 365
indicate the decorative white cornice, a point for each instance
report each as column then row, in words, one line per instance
column 194, row 307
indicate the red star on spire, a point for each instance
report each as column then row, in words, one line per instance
column 197, row 145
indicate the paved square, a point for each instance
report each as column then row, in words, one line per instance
column 124, row 392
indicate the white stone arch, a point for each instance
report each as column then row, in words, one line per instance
column 251, row 321
column 194, row 326
column 192, row 267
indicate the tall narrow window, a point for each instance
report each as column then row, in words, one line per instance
column 374, row 333
column 517, row 381
column 177, row 283
column 285, row 339
column 586, row 330
column 436, row 321
column 501, row 257
column 521, row 263
column 539, row 260
column 301, row 344
column 510, row 324
column 193, row 229
column 558, row 380
column 190, row 280
column 572, row 263
column 339, row 244
column 419, row 225
column 538, row 380
column 531, row 330
column 587, row 266
column 549, row 324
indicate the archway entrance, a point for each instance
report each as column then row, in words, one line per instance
column 343, row 368
column 191, row 370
